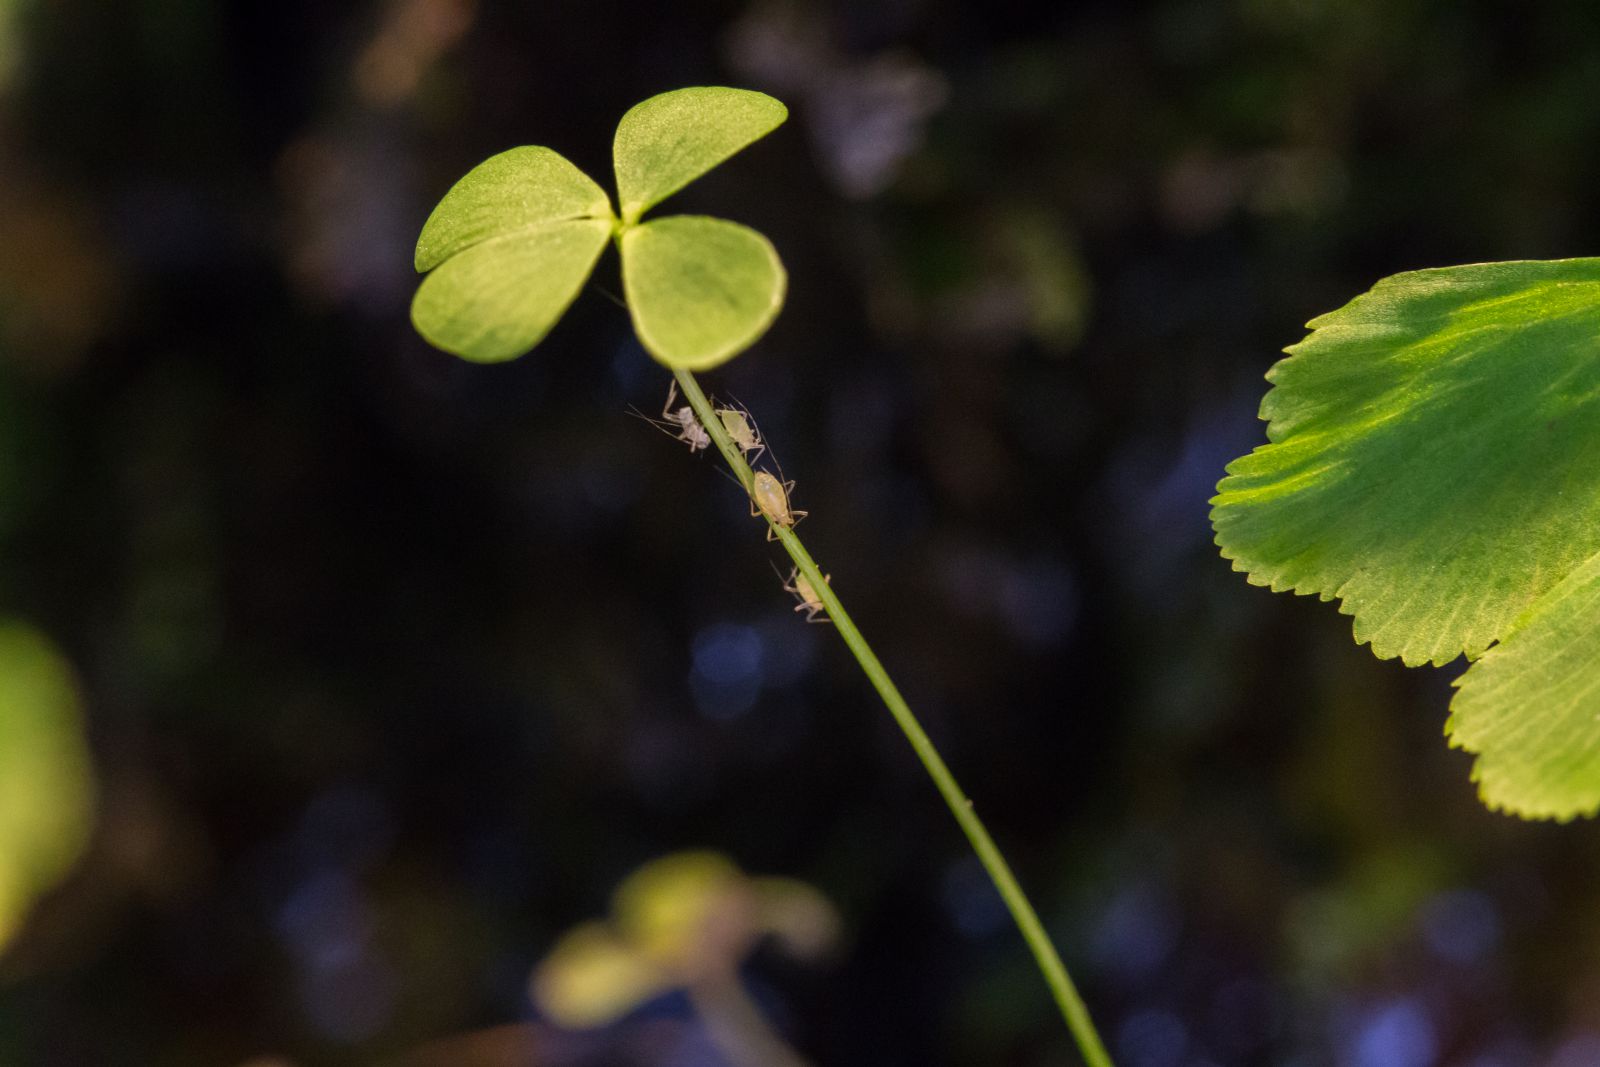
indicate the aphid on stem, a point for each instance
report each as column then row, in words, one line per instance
column 741, row 427
column 770, row 497
column 810, row 602
column 679, row 423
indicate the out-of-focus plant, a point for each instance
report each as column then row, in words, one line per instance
column 686, row 922
column 507, row 250
column 46, row 789
column 1431, row 465
column 10, row 16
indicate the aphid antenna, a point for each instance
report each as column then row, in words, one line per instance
column 671, row 429
column 742, row 487
column 783, row 479
column 735, row 404
column 608, row 294
column 744, row 409
column 660, row 424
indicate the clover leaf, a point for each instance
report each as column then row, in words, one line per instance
column 1431, row 466
column 508, row 247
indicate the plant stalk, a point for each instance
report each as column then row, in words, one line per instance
column 1027, row 920
column 735, row 1024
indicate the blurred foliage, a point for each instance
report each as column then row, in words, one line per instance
column 677, row 921
column 46, row 791
column 396, row 665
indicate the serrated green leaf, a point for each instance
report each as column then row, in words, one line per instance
column 1431, row 451
column 519, row 190
column 500, row 297
column 1530, row 708
column 668, row 141
column 46, row 793
column 701, row 290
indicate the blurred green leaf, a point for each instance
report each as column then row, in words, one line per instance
column 1430, row 466
column 1428, row 463
column 592, row 978
column 668, row 141
column 46, row 792
column 665, row 908
column 676, row 921
column 499, row 298
column 516, row 192
column 1530, row 707
column 701, row 290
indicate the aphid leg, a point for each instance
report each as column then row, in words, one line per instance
column 794, row 516
column 810, row 602
column 790, row 521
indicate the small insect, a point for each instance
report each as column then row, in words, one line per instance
column 679, row 423
column 741, row 426
column 770, row 497
column 810, row 602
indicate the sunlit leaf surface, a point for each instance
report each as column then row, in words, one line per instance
column 1432, row 456
column 46, row 795
column 499, row 298
column 1431, row 465
column 668, row 141
column 520, row 190
column 1531, row 706
column 701, row 290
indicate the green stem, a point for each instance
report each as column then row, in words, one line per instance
column 1027, row 920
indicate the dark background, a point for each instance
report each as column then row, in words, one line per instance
column 416, row 659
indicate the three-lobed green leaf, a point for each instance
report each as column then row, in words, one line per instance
column 1429, row 465
column 512, row 243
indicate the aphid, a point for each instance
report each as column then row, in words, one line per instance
column 679, row 423
column 741, row 426
column 810, row 602
column 770, row 497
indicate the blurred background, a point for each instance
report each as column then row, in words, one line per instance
column 391, row 668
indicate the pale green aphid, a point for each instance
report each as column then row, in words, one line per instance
column 741, row 427
column 770, row 497
column 810, row 602
column 510, row 245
